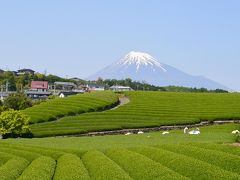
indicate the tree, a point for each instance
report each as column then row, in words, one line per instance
column 99, row 81
column 14, row 124
column 17, row 101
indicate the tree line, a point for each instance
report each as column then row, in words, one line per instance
column 144, row 86
column 20, row 82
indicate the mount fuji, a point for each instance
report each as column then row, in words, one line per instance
column 141, row 66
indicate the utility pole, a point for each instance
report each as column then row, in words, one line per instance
column 7, row 86
column 1, row 92
column 54, row 88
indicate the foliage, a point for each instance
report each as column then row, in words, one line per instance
column 141, row 167
column 14, row 123
column 228, row 162
column 13, row 168
column 187, row 89
column 70, row 167
column 69, row 106
column 41, row 168
column 3, row 108
column 145, row 156
column 20, row 82
column 102, row 168
column 144, row 86
column 52, row 97
column 187, row 166
column 17, row 101
column 148, row 109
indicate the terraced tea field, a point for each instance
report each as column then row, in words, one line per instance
column 210, row 155
column 148, row 109
column 143, row 156
column 72, row 105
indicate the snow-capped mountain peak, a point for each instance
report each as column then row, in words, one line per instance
column 141, row 66
column 139, row 59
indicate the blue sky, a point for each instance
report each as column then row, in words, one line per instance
column 77, row 38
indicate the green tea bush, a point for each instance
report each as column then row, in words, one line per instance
column 13, row 168
column 69, row 106
column 141, row 167
column 4, row 157
column 223, row 160
column 32, row 152
column 41, row 168
column 217, row 147
column 185, row 165
column 102, row 168
column 28, row 155
column 70, row 167
column 147, row 109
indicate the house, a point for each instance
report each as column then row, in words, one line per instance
column 25, row 71
column 66, row 86
column 120, row 88
column 39, row 89
column 67, row 93
column 38, row 94
column 95, row 87
column 40, row 86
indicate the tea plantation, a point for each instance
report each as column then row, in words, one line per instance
column 147, row 109
column 210, row 155
column 72, row 105
column 214, row 154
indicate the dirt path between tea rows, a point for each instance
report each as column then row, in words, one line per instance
column 122, row 101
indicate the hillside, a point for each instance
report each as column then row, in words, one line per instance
column 137, row 156
column 148, row 109
column 73, row 105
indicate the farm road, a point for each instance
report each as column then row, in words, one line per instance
column 122, row 101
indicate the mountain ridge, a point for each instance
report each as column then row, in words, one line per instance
column 141, row 66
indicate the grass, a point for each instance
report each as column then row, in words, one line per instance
column 209, row 155
column 148, row 109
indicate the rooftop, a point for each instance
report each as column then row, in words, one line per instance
column 65, row 83
column 39, row 85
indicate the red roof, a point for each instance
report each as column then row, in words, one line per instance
column 39, row 85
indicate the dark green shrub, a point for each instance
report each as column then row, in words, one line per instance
column 18, row 101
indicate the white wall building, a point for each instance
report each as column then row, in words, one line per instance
column 120, row 88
